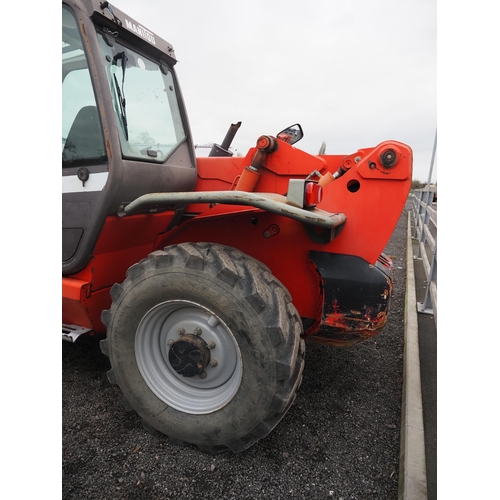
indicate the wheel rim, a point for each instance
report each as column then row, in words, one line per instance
column 219, row 381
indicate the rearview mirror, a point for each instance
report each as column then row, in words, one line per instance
column 291, row 134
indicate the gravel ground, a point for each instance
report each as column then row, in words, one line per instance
column 339, row 440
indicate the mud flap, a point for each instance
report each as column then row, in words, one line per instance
column 356, row 297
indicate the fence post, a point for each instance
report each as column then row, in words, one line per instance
column 427, row 248
column 429, row 305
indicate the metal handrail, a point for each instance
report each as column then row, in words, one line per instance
column 425, row 226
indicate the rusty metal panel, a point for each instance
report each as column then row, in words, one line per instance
column 356, row 297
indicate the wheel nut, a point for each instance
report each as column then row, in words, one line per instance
column 197, row 331
column 170, row 342
column 211, row 345
column 181, row 331
column 203, row 375
column 213, row 363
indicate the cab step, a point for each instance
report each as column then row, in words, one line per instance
column 72, row 332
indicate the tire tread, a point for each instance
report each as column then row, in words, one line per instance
column 263, row 292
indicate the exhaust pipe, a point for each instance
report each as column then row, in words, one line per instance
column 223, row 149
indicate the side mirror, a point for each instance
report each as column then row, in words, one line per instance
column 291, row 134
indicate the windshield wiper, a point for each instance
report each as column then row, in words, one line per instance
column 121, row 94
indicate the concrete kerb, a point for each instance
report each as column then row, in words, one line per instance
column 412, row 481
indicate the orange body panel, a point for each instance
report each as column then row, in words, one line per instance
column 122, row 243
column 74, row 294
column 370, row 196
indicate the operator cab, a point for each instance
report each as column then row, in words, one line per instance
column 125, row 131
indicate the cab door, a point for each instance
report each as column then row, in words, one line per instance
column 84, row 159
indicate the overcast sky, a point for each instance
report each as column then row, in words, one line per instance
column 352, row 73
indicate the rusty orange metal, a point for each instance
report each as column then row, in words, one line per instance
column 370, row 195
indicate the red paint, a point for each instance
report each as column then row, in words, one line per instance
column 371, row 196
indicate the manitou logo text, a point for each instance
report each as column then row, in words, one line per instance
column 142, row 32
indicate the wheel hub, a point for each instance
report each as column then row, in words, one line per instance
column 189, row 355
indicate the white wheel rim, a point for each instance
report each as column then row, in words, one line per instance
column 163, row 324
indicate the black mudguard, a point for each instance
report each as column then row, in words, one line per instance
column 356, row 297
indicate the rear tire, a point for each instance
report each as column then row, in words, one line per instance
column 205, row 345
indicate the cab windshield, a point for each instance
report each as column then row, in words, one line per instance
column 145, row 103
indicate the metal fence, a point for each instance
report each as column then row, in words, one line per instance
column 424, row 209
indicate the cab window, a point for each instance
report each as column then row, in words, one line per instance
column 145, row 101
column 82, row 139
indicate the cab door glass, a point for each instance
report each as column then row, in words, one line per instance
column 145, row 103
column 82, row 139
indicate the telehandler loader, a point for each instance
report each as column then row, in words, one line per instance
column 206, row 276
